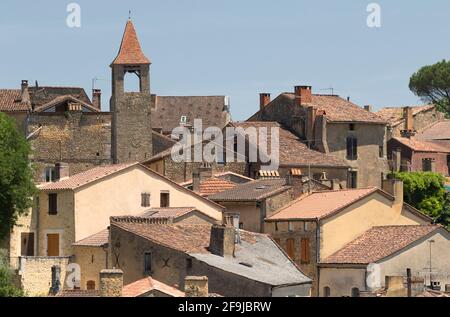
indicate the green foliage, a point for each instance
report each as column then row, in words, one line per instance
column 432, row 84
column 7, row 289
column 16, row 175
column 426, row 192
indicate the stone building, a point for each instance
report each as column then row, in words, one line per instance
column 65, row 125
column 383, row 252
column 409, row 118
column 243, row 265
column 319, row 224
column 332, row 125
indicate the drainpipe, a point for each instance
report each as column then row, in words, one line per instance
column 38, row 211
column 408, row 281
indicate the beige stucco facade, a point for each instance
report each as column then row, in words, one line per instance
column 342, row 278
column 91, row 261
column 373, row 210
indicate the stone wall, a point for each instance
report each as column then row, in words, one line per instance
column 91, row 261
column 83, row 140
column 421, row 121
column 299, row 229
column 35, row 274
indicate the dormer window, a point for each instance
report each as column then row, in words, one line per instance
column 183, row 120
column 50, row 174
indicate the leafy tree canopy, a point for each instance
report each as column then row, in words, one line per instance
column 16, row 175
column 7, row 289
column 432, row 84
column 426, row 192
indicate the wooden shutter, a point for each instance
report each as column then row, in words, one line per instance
column 52, row 244
column 27, row 244
column 290, row 248
column 306, row 251
column 165, row 200
column 52, row 204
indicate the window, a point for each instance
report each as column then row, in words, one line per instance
column 427, row 165
column 305, row 226
column 355, row 292
column 165, row 200
column 188, row 263
column 276, row 226
column 147, row 263
column 52, row 204
column 352, row 148
column 290, row 226
column 52, row 244
column 290, row 248
column 90, row 285
column 353, row 179
column 326, row 291
column 49, row 174
column 306, row 251
column 183, row 120
column 351, row 127
column 27, row 244
column 381, row 151
column 145, row 200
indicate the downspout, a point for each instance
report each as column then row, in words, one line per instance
column 38, row 215
column 317, row 256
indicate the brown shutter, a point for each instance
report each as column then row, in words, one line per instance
column 306, row 251
column 27, row 247
column 290, row 248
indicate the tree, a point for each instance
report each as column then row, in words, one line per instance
column 7, row 289
column 432, row 84
column 16, row 175
column 426, row 192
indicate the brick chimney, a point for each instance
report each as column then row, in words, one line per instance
column 409, row 122
column 25, row 94
column 222, row 240
column 196, row 286
column 303, row 95
column 310, row 124
column 264, row 100
column 111, row 283
column 97, row 98
column 394, row 187
column 62, row 171
column 294, row 178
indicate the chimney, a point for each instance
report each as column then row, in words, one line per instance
column 394, row 187
column 397, row 160
column 111, row 283
column 56, row 280
column 62, row 171
column 395, row 286
column 232, row 219
column 303, row 95
column 196, row 286
column 199, row 175
column 222, row 240
column 368, row 108
column 310, row 124
column 196, row 181
column 294, row 178
column 264, row 100
column 97, row 98
column 25, row 94
column 409, row 121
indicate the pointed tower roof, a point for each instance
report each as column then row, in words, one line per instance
column 130, row 52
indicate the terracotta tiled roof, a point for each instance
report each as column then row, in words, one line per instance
column 378, row 243
column 394, row 115
column 422, row 146
column 293, row 152
column 130, row 52
column 438, row 131
column 232, row 177
column 62, row 99
column 337, row 109
column 78, row 293
column 168, row 111
column 85, row 178
column 184, row 238
column 432, row 293
column 215, row 185
column 322, row 204
column 10, row 100
column 148, row 284
column 96, row 240
column 252, row 191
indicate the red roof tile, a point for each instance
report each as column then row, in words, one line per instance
column 148, row 284
column 422, row 146
column 438, row 131
column 10, row 101
column 378, row 243
column 130, row 52
column 215, row 185
column 394, row 115
column 322, row 204
column 96, row 240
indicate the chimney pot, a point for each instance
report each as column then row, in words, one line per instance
column 303, row 95
column 97, row 98
column 111, row 283
column 264, row 100
column 25, row 94
column 196, row 286
column 222, row 240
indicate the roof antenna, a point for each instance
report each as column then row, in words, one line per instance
column 129, row 15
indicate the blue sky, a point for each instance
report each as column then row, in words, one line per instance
column 234, row 48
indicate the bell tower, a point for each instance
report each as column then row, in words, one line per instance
column 131, row 131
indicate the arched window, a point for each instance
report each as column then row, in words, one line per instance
column 131, row 82
column 355, row 292
column 90, row 285
column 326, row 291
